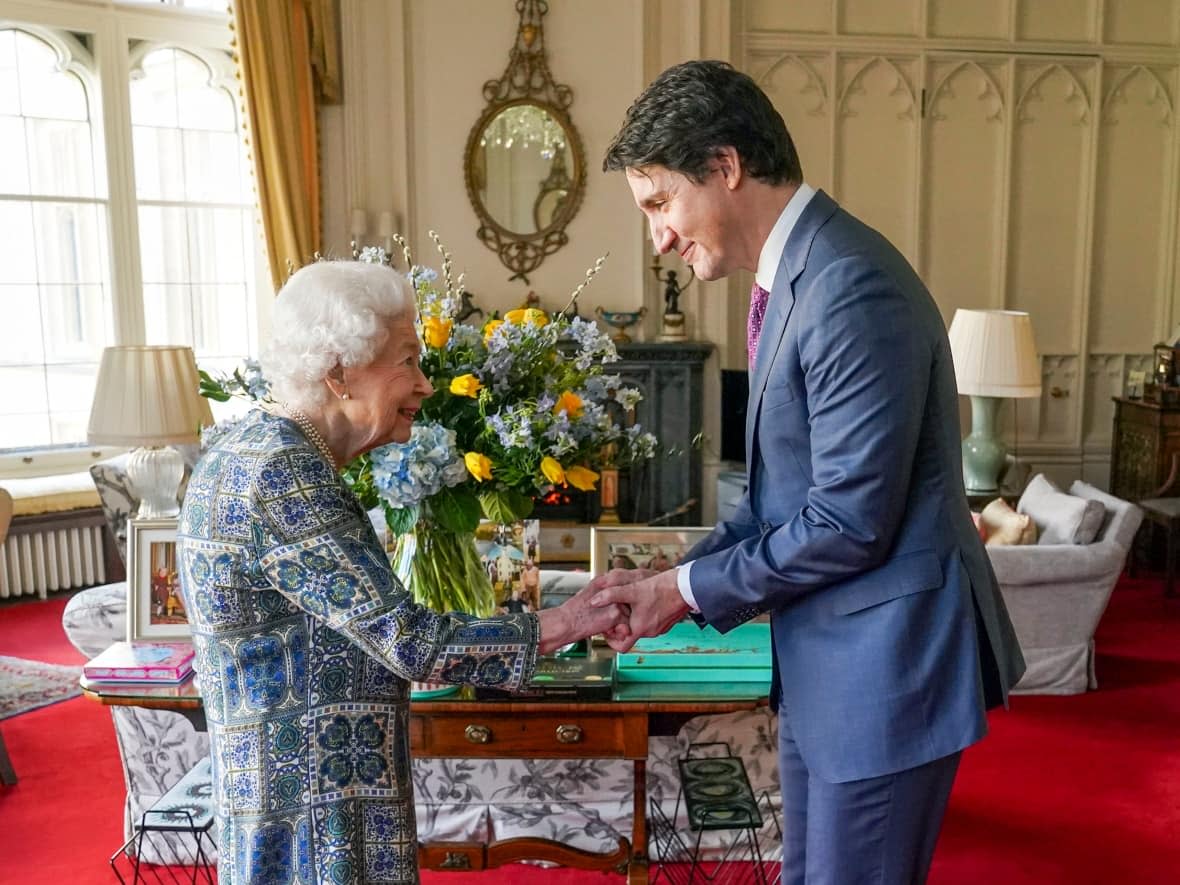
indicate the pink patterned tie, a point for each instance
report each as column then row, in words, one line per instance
column 758, row 299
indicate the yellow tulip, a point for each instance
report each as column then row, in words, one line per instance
column 582, row 478
column 552, row 470
column 466, row 385
column 570, row 402
column 491, row 326
column 436, row 332
column 479, row 466
column 527, row 316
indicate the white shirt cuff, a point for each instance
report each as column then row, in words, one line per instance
column 684, row 585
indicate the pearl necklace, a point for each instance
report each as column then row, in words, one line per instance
column 311, row 432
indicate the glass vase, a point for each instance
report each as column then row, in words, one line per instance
column 442, row 570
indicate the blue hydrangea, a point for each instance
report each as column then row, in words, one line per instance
column 406, row 473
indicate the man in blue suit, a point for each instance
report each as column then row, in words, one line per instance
column 890, row 638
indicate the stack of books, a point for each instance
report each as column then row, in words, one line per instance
column 154, row 662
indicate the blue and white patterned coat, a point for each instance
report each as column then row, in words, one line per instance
column 305, row 641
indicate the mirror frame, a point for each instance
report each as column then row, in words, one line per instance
column 526, row 81
column 523, row 252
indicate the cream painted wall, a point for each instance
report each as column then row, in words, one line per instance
column 413, row 77
column 446, row 50
column 414, row 71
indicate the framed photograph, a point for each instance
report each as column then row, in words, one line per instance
column 155, row 608
column 641, row 546
column 511, row 555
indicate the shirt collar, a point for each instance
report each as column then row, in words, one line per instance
column 772, row 249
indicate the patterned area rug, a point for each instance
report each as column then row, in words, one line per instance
column 27, row 685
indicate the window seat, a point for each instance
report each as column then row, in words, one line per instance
column 51, row 494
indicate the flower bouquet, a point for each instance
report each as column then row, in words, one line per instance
column 521, row 404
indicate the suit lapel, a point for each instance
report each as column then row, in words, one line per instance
column 778, row 309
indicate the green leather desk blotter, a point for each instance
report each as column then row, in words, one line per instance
column 686, row 653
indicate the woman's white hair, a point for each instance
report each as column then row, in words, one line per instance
column 330, row 313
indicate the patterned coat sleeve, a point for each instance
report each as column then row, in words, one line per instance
column 316, row 547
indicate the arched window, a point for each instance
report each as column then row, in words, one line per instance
column 55, row 290
column 127, row 209
column 196, row 216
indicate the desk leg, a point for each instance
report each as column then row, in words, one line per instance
column 637, row 869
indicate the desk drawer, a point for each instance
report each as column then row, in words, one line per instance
column 572, row 735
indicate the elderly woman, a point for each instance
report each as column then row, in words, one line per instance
column 305, row 639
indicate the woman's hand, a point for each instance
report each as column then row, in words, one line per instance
column 576, row 619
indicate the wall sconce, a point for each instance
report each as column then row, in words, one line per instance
column 358, row 224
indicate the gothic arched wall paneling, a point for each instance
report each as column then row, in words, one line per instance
column 1023, row 156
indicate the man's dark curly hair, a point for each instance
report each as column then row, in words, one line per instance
column 693, row 109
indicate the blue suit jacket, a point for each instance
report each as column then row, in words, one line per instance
column 890, row 635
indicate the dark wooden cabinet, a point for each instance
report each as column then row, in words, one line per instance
column 671, row 378
column 668, row 488
column 1146, row 437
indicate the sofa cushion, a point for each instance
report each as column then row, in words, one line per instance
column 1061, row 518
column 51, row 494
column 1003, row 526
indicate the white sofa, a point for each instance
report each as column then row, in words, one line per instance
column 1057, row 592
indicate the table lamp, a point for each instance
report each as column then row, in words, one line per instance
column 995, row 357
column 146, row 396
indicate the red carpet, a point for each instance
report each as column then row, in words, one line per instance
column 1081, row 790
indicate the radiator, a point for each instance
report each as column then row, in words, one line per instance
column 49, row 558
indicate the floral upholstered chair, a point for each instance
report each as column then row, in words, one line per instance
column 157, row 747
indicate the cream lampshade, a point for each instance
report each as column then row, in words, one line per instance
column 146, row 396
column 995, row 357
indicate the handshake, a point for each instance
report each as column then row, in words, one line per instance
column 623, row 605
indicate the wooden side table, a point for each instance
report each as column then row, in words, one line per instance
column 462, row 727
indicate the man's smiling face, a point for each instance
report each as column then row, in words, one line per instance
column 698, row 221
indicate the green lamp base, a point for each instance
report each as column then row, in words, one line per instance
column 983, row 451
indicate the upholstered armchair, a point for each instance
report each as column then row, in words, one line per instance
column 1057, row 590
column 157, row 747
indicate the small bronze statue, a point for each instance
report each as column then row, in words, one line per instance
column 672, row 325
column 467, row 307
column 672, row 292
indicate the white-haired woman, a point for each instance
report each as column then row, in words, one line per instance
column 305, row 639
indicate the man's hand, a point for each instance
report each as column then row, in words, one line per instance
column 576, row 619
column 653, row 600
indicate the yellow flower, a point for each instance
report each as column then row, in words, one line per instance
column 436, row 332
column 527, row 316
column 552, row 470
column 466, row 385
column 582, row 478
column 491, row 326
column 479, row 466
column 571, row 402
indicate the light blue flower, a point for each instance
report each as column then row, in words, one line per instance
column 406, row 473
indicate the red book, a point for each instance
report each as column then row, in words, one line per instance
column 142, row 662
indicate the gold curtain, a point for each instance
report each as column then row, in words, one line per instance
column 287, row 58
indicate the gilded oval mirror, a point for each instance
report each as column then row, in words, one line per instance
column 524, row 165
column 520, row 159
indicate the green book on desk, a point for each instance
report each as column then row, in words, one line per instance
column 560, row 677
column 687, row 653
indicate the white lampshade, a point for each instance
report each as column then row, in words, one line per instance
column 995, row 354
column 147, row 395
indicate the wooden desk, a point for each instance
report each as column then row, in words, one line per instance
column 462, row 727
